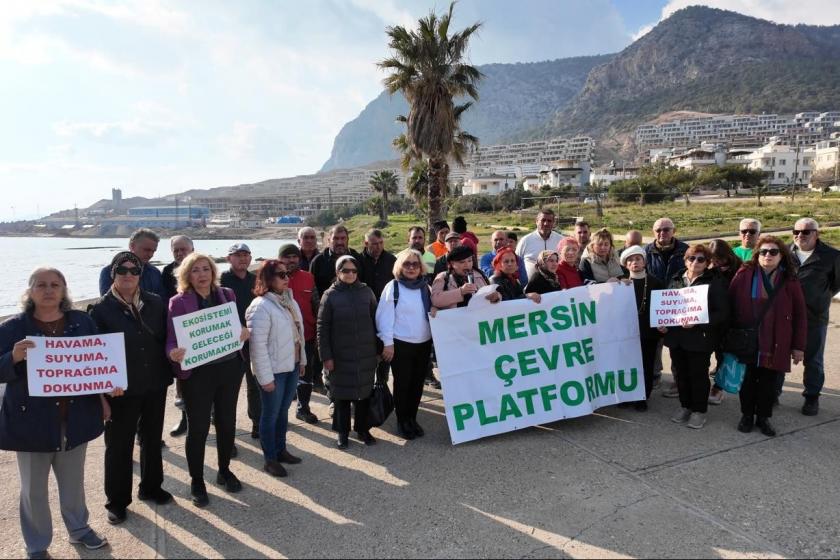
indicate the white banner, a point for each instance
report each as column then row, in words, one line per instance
column 208, row 334
column 675, row 308
column 72, row 366
column 516, row 364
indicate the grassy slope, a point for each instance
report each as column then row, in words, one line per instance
column 696, row 220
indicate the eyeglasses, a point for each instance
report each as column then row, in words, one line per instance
column 699, row 258
column 411, row 264
column 664, row 229
column 282, row 274
column 803, row 232
column 123, row 270
column 348, row 271
column 749, row 231
column 771, row 252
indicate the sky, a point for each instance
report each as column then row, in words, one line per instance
column 161, row 96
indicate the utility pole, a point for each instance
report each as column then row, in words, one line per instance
column 795, row 171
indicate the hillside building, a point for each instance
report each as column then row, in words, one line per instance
column 784, row 165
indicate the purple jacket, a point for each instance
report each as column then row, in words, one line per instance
column 182, row 304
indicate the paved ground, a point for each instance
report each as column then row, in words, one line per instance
column 618, row 484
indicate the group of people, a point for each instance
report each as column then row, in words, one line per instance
column 339, row 321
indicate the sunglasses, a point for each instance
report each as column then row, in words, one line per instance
column 665, row 229
column 411, row 265
column 771, row 252
column 282, row 274
column 803, row 232
column 699, row 258
column 123, row 270
column 348, row 271
column 749, row 231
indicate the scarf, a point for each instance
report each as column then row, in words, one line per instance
column 638, row 275
column 419, row 283
column 284, row 300
column 134, row 306
column 568, row 276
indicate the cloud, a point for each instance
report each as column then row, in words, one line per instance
column 644, row 30
column 149, row 123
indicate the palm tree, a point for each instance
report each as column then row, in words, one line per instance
column 428, row 67
column 384, row 182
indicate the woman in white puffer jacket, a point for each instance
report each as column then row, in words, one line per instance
column 277, row 359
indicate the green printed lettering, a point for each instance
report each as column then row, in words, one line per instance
column 508, row 408
column 516, row 326
column 590, row 390
column 622, row 382
column 586, row 344
column 491, row 334
column 587, row 314
column 528, row 359
column 605, row 385
column 528, row 396
column 566, row 388
column 573, row 352
column 560, row 314
column 548, row 394
column 483, row 419
column 538, row 319
column 462, row 413
column 506, row 376
column 550, row 361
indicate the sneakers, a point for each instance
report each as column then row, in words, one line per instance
column 671, row 392
column 697, row 420
column 159, row 496
column 90, row 540
column 274, row 468
column 716, row 396
column 681, row 416
column 746, row 424
column 811, row 406
column 306, row 416
column 288, row 458
column 199, row 494
column 229, row 482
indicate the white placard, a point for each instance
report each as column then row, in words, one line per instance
column 72, row 366
column 675, row 308
column 517, row 363
column 208, row 334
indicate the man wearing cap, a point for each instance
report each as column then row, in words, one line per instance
column 242, row 282
column 441, row 230
column 308, row 243
column 500, row 240
column 323, row 265
column 143, row 243
column 181, row 246
column 307, row 297
column 453, row 240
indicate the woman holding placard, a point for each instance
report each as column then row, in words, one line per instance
column 692, row 345
column 766, row 295
column 48, row 433
column 141, row 317
column 278, row 358
column 214, row 385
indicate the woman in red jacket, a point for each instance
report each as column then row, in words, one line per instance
column 781, row 334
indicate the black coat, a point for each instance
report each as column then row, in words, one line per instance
column 643, row 287
column 702, row 338
column 820, row 280
column 537, row 284
column 148, row 368
column 347, row 335
column 508, row 288
column 33, row 424
column 665, row 265
column 323, row 268
column 377, row 273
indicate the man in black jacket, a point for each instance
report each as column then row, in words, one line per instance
column 377, row 271
column 181, row 246
column 323, row 265
column 819, row 274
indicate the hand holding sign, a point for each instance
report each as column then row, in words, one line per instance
column 680, row 308
column 19, row 350
column 207, row 334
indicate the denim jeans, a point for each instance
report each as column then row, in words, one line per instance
column 814, row 377
column 274, row 420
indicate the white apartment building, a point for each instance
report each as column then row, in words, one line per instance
column 809, row 127
column 707, row 154
column 827, row 155
column 490, row 184
column 566, row 173
column 528, row 158
column 784, row 165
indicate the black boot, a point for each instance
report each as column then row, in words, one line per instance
column 811, row 406
column 343, row 441
column 304, row 394
column 766, row 428
column 746, row 424
column 180, row 428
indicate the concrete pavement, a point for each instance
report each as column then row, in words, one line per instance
column 617, row 484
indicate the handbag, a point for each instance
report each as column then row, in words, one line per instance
column 381, row 405
column 742, row 342
column 730, row 374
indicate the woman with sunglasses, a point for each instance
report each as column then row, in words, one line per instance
column 692, row 345
column 347, row 345
column 214, row 385
column 402, row 319
column 141, row 317
column 278, row 357
column 767, row 288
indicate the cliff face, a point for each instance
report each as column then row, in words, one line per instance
column 515, row 98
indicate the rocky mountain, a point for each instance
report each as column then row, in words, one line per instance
column 708, row 60
column 515, row 98
column 699, row 59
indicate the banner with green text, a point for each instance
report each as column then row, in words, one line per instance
column 516, row 364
